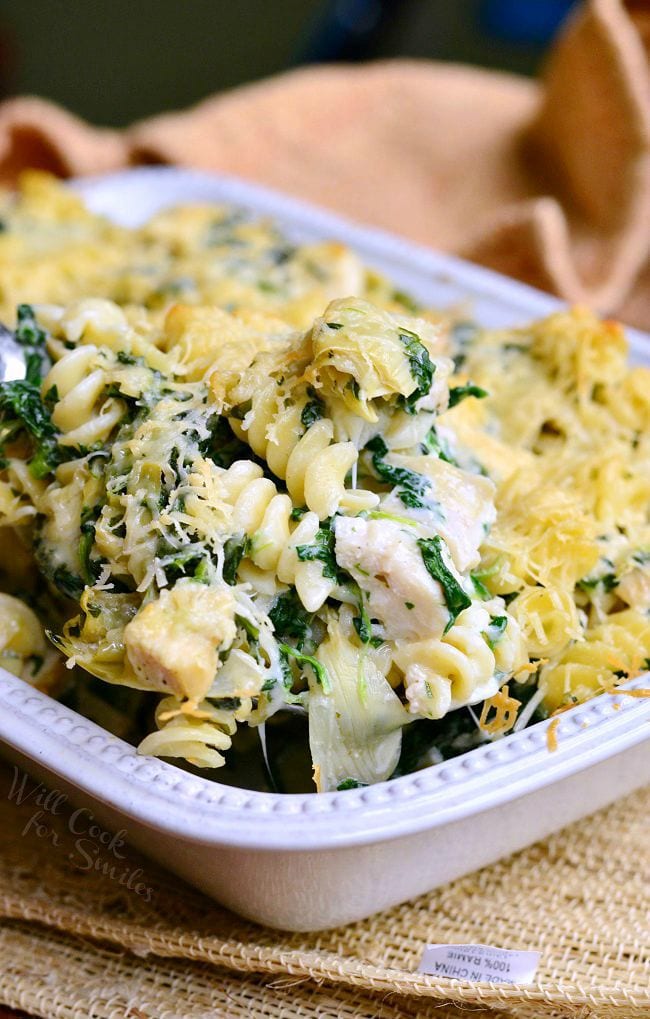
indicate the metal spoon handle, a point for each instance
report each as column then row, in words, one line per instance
column 12, row 356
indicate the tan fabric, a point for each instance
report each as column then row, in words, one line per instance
column 582, row 898
column 35, row 133
column 56, row 976
column 549, row 183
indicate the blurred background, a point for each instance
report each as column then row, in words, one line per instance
column 115, row 61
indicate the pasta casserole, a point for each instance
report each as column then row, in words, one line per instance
column 247, row 479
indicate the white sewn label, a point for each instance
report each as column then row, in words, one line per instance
column 480, row 962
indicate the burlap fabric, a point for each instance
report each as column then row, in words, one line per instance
column 76, row 942
column 548, row 182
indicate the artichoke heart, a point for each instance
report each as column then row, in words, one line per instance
column 355, row 730
column 360, row 355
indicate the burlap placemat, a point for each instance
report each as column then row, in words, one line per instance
column 108, row 983
column 581, row 897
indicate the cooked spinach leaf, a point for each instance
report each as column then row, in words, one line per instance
column 463, row 334
column 234, row 551
column 412, row 488
column 89, row 568
column 608, row 581
column 478, row 576
column 407, row 302
column 21, row 409
column 495, row 630
column 523, row 692
column 350, row 783
column 434, row 446
column 312, row 411
column 29, row 335
column 68, row 583
column 455, row 597
column 188, row 562
column 289, row 617
column 421, row 366
column 322, row 550
column 363, row 623
column 320, row 671
column 426, row 741
column 252, row 631
column 480, row 587
column 458, row 393
column 28, row 332
column 222, row 445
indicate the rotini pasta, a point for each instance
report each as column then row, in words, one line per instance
column 199, row 736
column 301, row 452
column 616, row 649
column 548, row 618
column 24, row 650
column 461, row 668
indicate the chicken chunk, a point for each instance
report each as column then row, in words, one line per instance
column 385, row 561
column 464, row 506
column 173, row 643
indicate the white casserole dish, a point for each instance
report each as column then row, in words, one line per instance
column 305, row 862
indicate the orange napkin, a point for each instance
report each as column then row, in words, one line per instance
column 547, row 182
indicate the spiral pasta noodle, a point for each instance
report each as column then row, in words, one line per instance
column 242, row 502
column 615, row 650
column 459, row 669
column 80, row 379
column 314, row 467
column 199, row 737
column 548, row 618
column 21, row 635
column 23, row 648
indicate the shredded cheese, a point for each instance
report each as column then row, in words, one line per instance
column 505, row 708
column 551, row 735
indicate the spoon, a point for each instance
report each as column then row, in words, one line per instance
column 12, row 356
